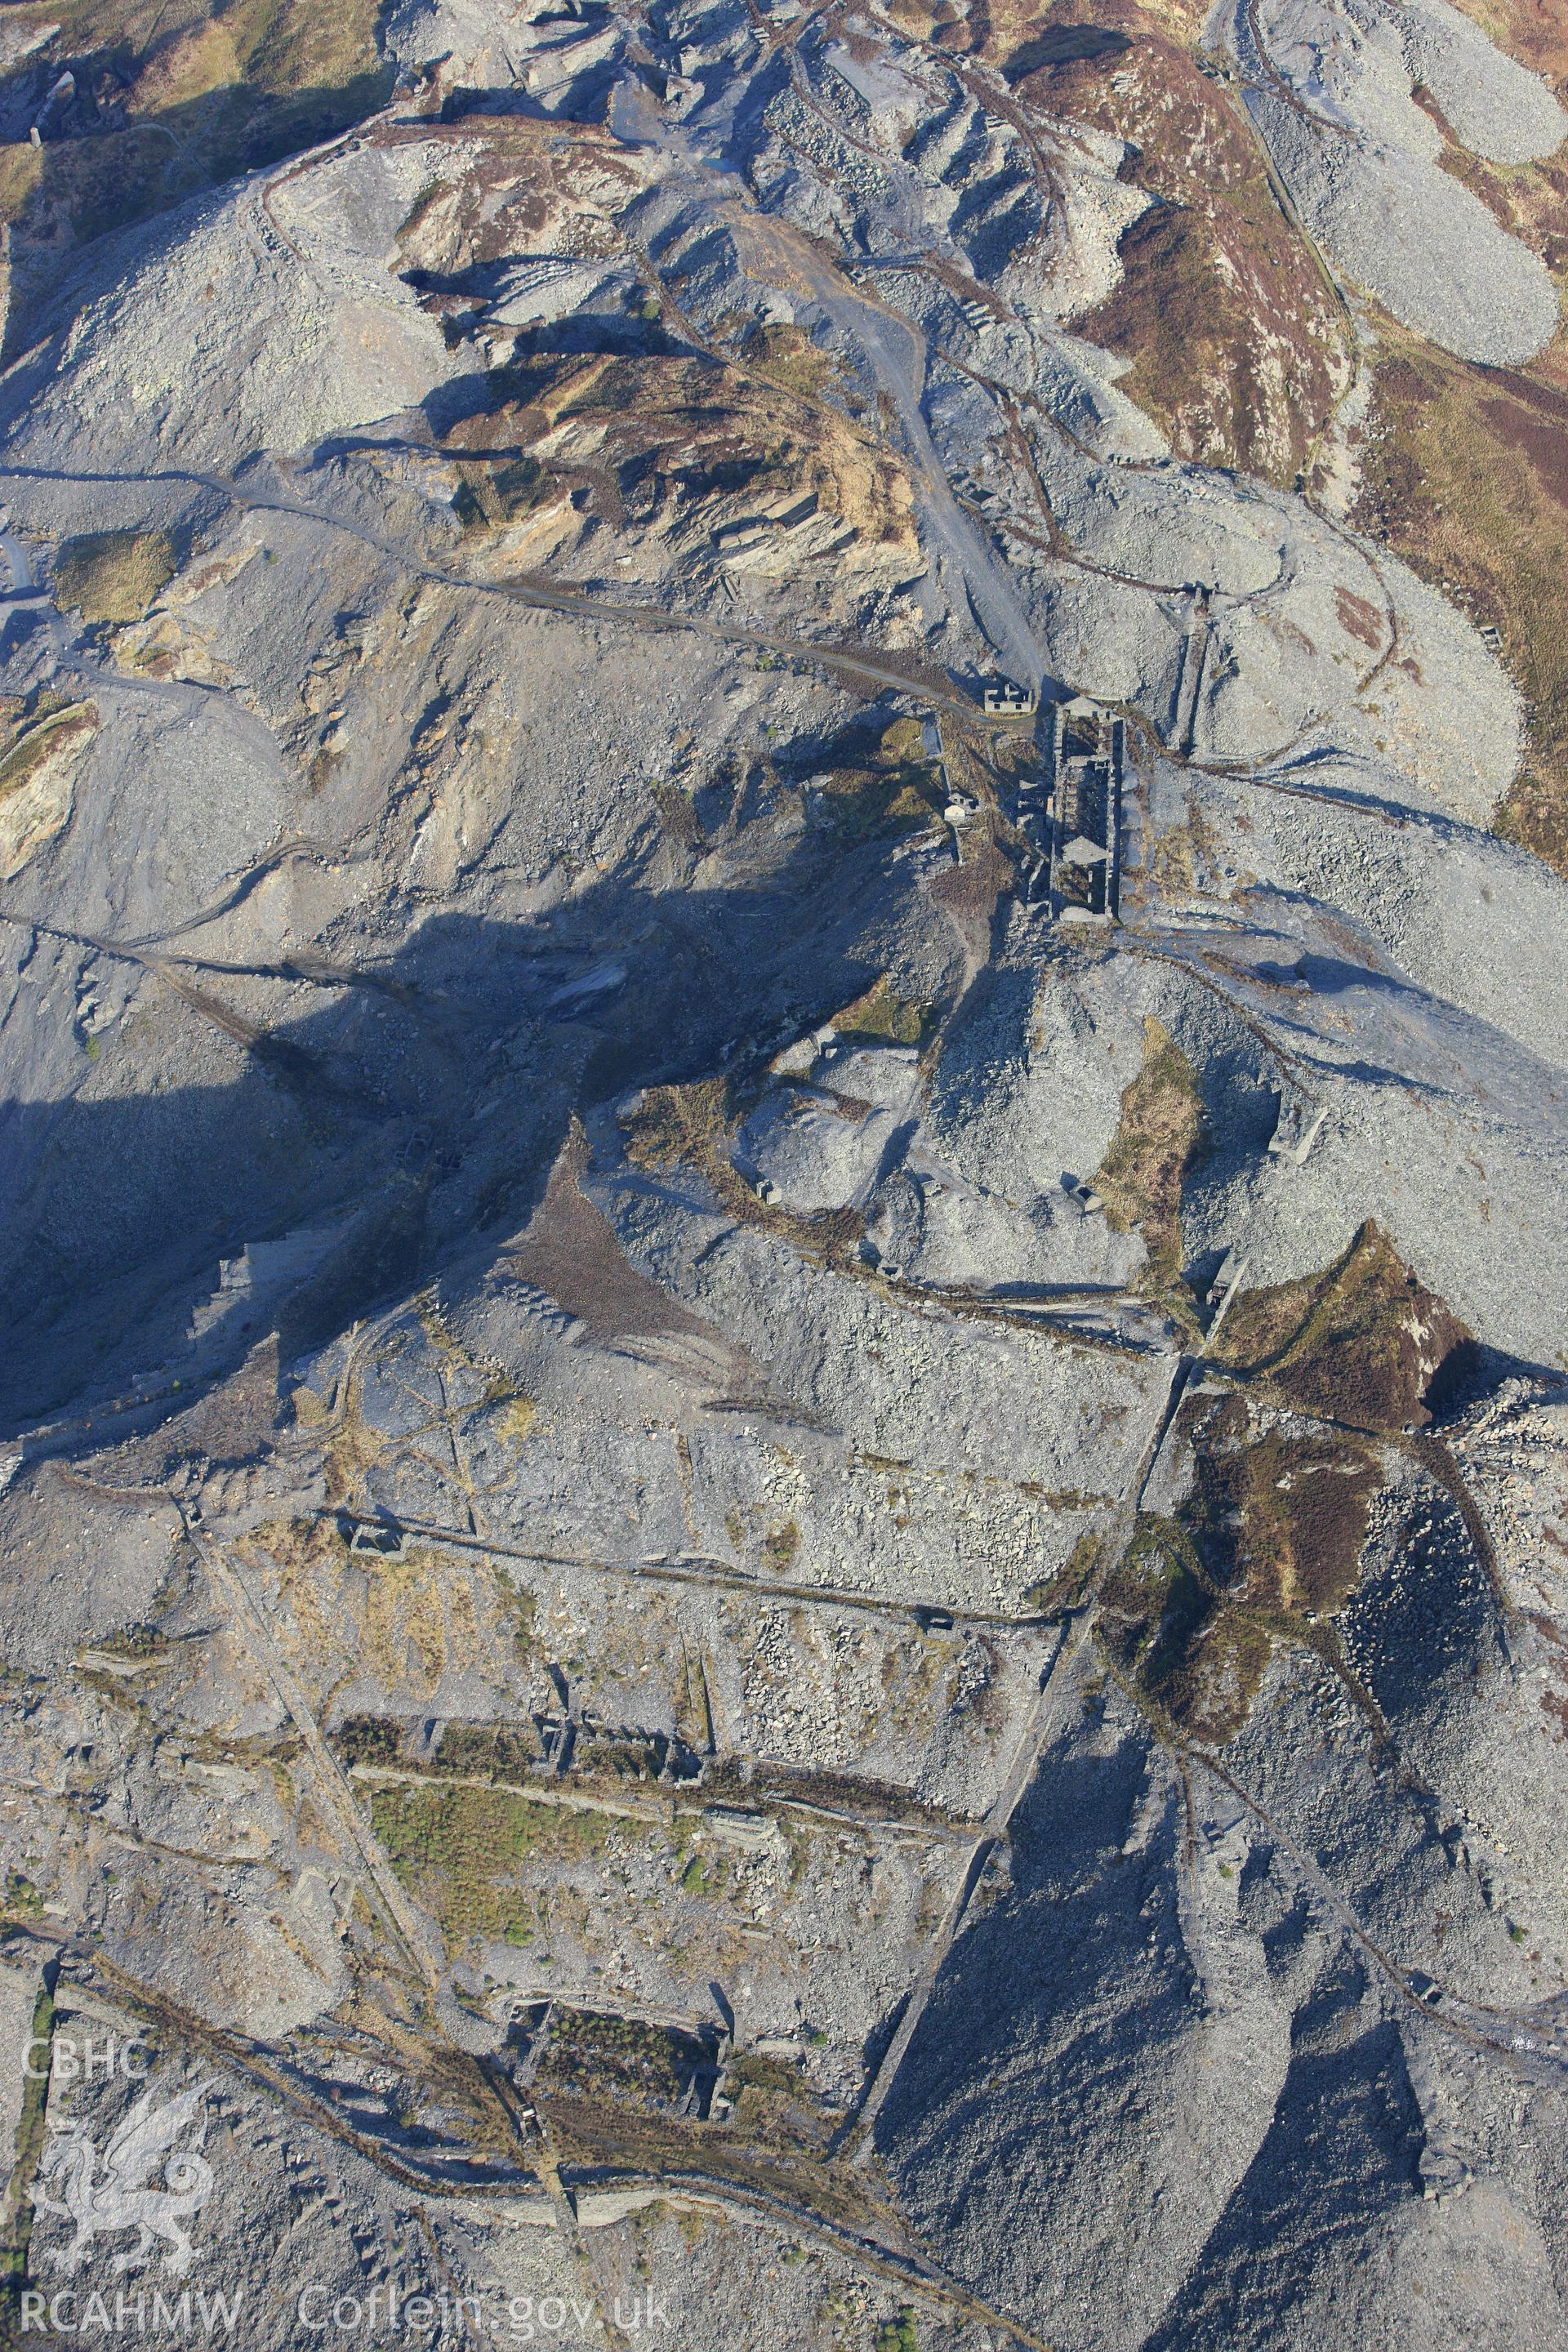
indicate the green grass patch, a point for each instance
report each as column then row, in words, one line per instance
column 460, row 1851
column 899, row 2335
column 494, row 1752
column 1158, row 1139
column 594, row 2055
column 114, row 575
column 1069, row 1587
column 36, row 744
column 1167, row 1630
column 515, row 1421
column 782, row 1547
column 369, row 1740
column 896, row 790
column 16, row 2213
column 882, row 1018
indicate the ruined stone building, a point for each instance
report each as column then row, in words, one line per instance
column 1086, row 826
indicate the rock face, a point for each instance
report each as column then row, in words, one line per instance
column 784, row 1476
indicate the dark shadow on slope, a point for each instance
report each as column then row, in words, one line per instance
column 1059, row 2096
column 1062, row 45
column 440, row 1100
column 1339, row 2158
column 1051, row 2021
column 1073, row 1902
column 1425, row 1629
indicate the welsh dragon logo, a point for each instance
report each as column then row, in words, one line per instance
column 119, row 2195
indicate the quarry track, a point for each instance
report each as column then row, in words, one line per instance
column 538, row 595
column 856, row 2139
column 899, row 355
column 250, row 2059
column 904, row 2267
column 771, row 2174
column 232, row 1584
column 858, row 2136
column 1448, row 2011
column 716, row 1577
column 985, row 87
column 663, row 1809
column 803, row 2198
column 318, row 972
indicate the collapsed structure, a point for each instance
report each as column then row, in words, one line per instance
column 1003, row 698
column 1086, row 811
column 1071, row 816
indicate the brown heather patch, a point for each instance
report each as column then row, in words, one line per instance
column 1364, row 1342
column 571, row 1251
column 1533, row 31
column 677, row 814
column 1238, row 370
column 970, row 893
column 1159, row 1137
column 1272, row 1536
column 1360, row 619
column 1530, row 200
column 1237, row 347
column 787, row 356
column 518, row 185
column 693, row 1126
column 1267, row 1549
column 1282, row 1517
column 1160, row 1621
column 1467, row 479
column 672, row 1125
column 654, row 444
